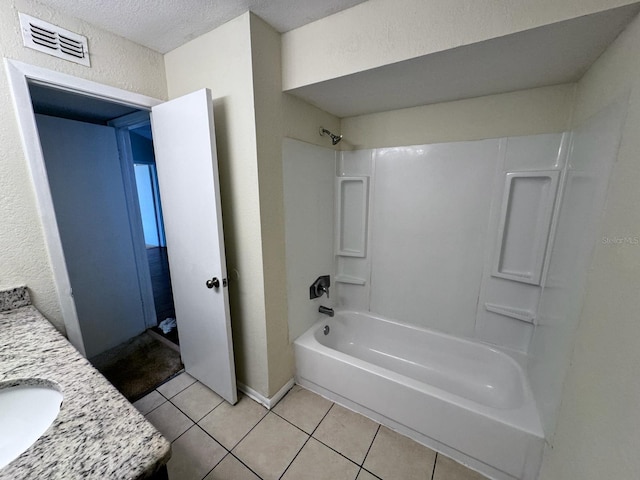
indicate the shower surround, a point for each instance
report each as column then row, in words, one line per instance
column 457, row 270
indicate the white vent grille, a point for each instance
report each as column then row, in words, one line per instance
column 48, row 38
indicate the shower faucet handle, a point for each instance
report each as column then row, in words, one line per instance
column 320, row 286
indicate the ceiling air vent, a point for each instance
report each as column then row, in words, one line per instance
column 48, row 38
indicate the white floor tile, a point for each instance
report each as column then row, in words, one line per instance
column 347, row 432
column 193, row 455
column 229, row 423
column 396, row 457
column 230, row 468
column 447, row 469
column 303, row 408
column 176, row 385
column 318, row 462
column 270, row 447
column 196, row 401
column 149, row 402
column 170, row 421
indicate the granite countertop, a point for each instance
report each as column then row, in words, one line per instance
column 98, row 434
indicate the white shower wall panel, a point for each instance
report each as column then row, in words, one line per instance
column 540, row 155
column 308, row 175
column 593, row 152
column 356, row 163
column 429, row 222
column 534, row 152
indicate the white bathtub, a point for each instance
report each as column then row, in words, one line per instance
column 462, row 398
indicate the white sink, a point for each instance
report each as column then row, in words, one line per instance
column 26, row 411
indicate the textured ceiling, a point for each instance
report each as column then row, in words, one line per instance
column 552, row 54
column 165, row 25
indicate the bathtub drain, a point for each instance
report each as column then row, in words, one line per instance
column 326, row 329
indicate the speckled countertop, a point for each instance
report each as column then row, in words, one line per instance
column 98, row 434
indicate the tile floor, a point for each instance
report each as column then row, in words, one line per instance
column 304, row 437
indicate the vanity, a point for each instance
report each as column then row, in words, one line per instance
column 97, row 433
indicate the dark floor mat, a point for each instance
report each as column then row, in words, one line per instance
column 172, row 336
column 138, row 366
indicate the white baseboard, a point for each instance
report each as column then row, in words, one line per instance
column 267, row 402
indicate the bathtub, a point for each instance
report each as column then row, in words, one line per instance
column 462, row 398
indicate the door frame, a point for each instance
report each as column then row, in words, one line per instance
column 123, row 125
column 19, row 74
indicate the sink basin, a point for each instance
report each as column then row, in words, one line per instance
column 26, row 411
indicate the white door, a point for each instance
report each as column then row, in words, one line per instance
column 187, row 164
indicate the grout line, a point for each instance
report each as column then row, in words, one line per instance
column 206, row 433
column 433, row 472
column 195, row 424
column 218, row 442
column 322, row 419
column 307, row 434
column 219, row 461
column 215, row 439
column 329, row 446
column 248, row 467
column 154, row 408
column 241, row 439
column 290, row 423
column 169, row 398
column 206, row 474
column 228, row 450
column 174, row 406
column 185, row 413
column 336, row 451
column 371, row 444
column 296, row 455
column 372, row 474
column 250, row 430
column 272, row 410
column 294, row 425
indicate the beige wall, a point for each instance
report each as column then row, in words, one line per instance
column 302, row 121
column 221, row 60
column 598, row 430
column 24, row 259
column 380, row 32
column 525, row 112
column 267, row 85
column 252, row 115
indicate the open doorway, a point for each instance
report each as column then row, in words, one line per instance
column 187, row 163
column 90, row 147
column 150, row 205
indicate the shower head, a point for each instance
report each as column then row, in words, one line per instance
column 335, row 139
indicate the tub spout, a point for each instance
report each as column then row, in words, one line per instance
column 326, row 310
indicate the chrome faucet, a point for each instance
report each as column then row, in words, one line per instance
column 326, row 311
column 323, row 289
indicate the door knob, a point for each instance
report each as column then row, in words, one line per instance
column 214, row 282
